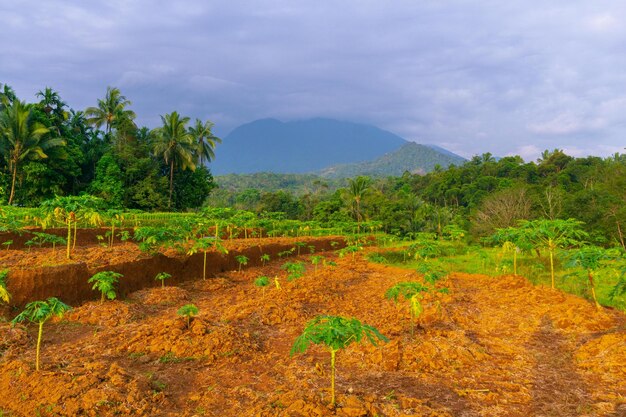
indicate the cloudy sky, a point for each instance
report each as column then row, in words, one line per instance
column 506, row 77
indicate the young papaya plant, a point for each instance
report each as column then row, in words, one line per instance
column 162, row 276
column 295, row 270
column 300, row 245
column 39, row 312
column 589, row 258
column 188, row 311
column 316, row 260
column 262, row 282
column 242, row 260
column 265, row 258
column 7, row 244
column 411, row 291
column 336, row 333
column 4, row 293
column 204, row 244
column 104, row 281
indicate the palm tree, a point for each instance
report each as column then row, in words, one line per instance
column 357, row 189
column 7, row 95
column 50, row 100
column 205, row 140
column 22, row 138
column 175, row 144
column 111, row 111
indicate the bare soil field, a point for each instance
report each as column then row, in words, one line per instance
column 490, row 347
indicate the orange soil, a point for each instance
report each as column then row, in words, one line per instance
column 491, row 347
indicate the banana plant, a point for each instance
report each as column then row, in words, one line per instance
column 104, row 281
column 40, row 312
column 336, row 333
column 4, row 293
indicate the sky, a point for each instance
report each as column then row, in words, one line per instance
column 505, row 77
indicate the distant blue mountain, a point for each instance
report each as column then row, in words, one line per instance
column 269, row 145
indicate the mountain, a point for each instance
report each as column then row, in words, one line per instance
column 411, row 157
column 300, row 146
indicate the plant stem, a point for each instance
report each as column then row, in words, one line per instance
column 593, row 290
column 38, row 345
column 332, row 376
column 69, row 236
column 204, row 267
column 552, row 267
column 75, row 229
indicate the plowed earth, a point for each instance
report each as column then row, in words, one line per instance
column 491, row 347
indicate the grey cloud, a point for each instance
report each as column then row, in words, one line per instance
column 488, row 76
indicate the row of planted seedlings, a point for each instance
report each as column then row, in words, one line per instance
column 334, row 332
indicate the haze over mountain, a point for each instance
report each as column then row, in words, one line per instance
column 306, row 146
column 412, row 157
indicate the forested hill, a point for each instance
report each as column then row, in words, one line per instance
column 411, row 157
column 269, row 145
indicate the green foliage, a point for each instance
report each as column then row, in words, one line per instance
column 262, row 281
column 241, row 260
column 162, row 276
column 188, row 311
column 39, row 312
column 411, row 291
column 335, row 333
column 4, row 293
column 295, row 270
column 104, row 281
column 265, row 258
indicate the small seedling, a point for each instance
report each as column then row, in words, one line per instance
column 265, row 258
column 336, row 333
column 104, row 282
column 7, row 244
column 162, row 276
column 295, row 270
column 300, row 245
column 4, row 293
column 262, row 282
column 316, row 260
column 411, row 291
column 39, row 312
column 188, row 311
column 242, row 260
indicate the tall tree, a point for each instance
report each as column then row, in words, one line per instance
column 50, row 101
column 174, row 143
column 22, row 138
column 205, row 140
column 357, row 189
column 111, row 112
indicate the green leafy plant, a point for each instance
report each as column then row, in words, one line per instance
column 188, row 311
column 316, row 260
column 295, row 270
column 335, row 333
column 300, row 245
column 589, row 258
column 204, row 244
column 4, row 293
column 265, row 258
column 411, row 291
column 242, row 260
column 104, row 281
column 552, row 235
column 286, row 252
column 7, row 244
column 39, row 312
column 162, row 276
column 262, row 282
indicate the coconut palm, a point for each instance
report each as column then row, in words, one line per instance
column 111, row 112
column 174, row 143
column 22, row 138
column 357, row 189
column 50, row 100
column 7, row 95
column 205, row 140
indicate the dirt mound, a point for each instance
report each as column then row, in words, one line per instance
column 161, row 296
column 109, row 313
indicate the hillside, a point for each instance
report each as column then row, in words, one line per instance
column 269, row 145
column 411, row 157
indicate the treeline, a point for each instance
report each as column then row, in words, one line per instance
column 48, row 149
column 480, row 196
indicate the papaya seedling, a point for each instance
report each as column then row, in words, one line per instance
column 39, row 312
column 336, row 333
column 242, row 260
column 262, row 282
column 188, row 311
column 4, row 293
column 162, row 276
column 300, row 245
column 265, row 258
column 7, row 244
column 104, row 281
column 316, row 260
column 203, row 244
column 411, row 291
column 295, row 270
